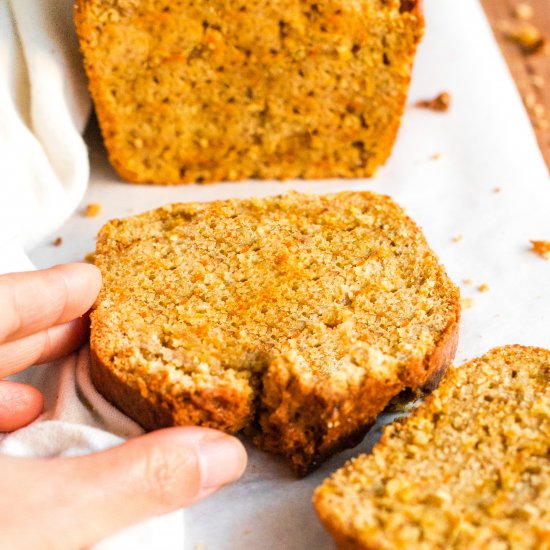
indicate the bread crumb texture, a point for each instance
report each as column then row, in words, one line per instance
column 468, row 469
column 297, row 317
column 198, row 91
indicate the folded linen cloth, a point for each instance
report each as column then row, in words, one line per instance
column 44, row 107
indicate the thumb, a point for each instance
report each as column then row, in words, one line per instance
column 147, row 476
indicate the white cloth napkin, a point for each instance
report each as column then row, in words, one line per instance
column 44, row 106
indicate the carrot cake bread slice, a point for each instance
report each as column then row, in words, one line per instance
column 468, row 469
column 295, row 317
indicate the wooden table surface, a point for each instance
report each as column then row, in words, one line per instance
column 531, row 72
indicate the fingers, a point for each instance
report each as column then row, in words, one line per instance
column 19, row 405
column 37, row 300
column 73, row 503
column 44, row 346
column 160, row 472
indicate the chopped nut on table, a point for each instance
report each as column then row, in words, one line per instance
column 542, row 248
column 527, row 37
column 440, row 103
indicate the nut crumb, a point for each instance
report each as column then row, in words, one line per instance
column 440, row 103
column 523, row 11
column 90, row 257
column 92, row 210
column 467, row 303
column 457, row 238
column 527, row 37
column 483, row 287
column 57, row 241
column 542, row 248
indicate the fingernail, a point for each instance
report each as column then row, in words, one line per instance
column 222, row 460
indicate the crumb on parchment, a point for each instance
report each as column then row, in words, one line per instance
column 440, row 103
column 92, row 210
column 483, row 287
column 468, row 281
column 542, row 248
column 467, row 303
column 457, row 238
column 57, row 241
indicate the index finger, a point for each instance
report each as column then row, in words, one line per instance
column 36, row 300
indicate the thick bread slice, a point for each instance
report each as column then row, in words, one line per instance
column 208, row 90
column 469, row 469
column 295, row 317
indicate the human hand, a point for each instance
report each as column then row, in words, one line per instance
column 68, row 503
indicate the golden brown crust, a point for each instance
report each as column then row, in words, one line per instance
column 166, row 78
column 223, row 408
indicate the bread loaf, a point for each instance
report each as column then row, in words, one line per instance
column 230, row 89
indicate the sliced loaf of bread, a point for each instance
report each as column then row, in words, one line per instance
column 295, row 317
column 193, row 91
column 470, row 468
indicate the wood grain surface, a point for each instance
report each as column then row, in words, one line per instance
column 531, row 72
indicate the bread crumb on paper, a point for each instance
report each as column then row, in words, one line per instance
column 437, row 156
column 57, row 241
column 484, row 287
column 542, row 248
column 441, row 103
column 467, row 303
column 92, row 210
column 468, row 281
column 497, row 190
column 457, row 238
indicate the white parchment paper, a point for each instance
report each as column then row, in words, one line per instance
column 485, row 142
